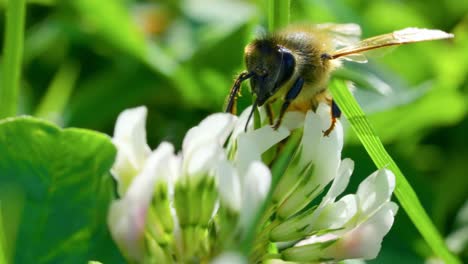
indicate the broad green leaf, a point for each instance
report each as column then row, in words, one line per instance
column 55, row 189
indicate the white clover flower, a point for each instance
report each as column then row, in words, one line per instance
column 195, row 205
column 130, row 140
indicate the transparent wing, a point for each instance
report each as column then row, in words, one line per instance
column 342, row 34
column 404, row 36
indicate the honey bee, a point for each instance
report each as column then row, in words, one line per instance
column 294, row 64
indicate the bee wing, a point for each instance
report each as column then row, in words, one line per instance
column 342, row 34
column 404, row 36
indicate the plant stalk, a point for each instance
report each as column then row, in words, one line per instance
column 13, row 54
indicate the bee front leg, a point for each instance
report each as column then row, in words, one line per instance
column 335, row 113
column 290, row 96
column 231, row 105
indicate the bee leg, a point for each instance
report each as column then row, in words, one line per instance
column 270, row 114
column 231, row 106
column 290, row 96
column 335, row 113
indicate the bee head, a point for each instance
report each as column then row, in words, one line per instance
column 270, row 65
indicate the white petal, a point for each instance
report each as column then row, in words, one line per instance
column 142, row 187
column 127, row 216
column 213, row 129
column 310, row 138
column 375, row 190
column 240, row 123
column 252, row 144
column 203, row 159
column 316, row 239
column 331, row 216
column 323, row 151
column 293, row 120
column 229, row 186
column 230, row 258
column 336, row 215
column 309, row 250
column 365, row 240
column 132, row 150
column 130, row 134
column 362, row 242
column 255, row 189
column 127, row 224
column 341, row 181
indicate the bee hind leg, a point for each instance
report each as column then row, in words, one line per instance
column 290, row 96
column 335, row 113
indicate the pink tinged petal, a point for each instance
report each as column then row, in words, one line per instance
column 130, row 135
column 127, row 216
column 213, row 129
column 229, row 187
column 255, row 189
column 127, row 223
column 375, row 190
column 365, row 240
column 252, row 144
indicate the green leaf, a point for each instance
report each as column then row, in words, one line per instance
column 403, row 190
column 55, row 189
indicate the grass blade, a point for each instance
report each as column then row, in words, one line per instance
column 278, row 14
column 13, row 54
column 403, row 190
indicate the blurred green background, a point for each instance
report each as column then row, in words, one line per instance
column 87, row 60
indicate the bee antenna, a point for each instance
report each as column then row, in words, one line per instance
column 250, row 115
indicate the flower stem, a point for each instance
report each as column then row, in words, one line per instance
column 403, row 190
column 13, row 54
column 278, row 14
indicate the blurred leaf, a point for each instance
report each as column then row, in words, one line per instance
column 438, row 108
column 64, row 177
column 42, row 37
column 113, row 89
column 111, row 20
column 52, row 105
